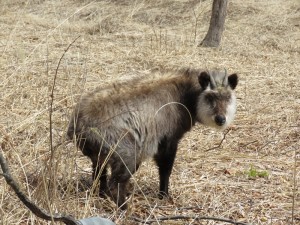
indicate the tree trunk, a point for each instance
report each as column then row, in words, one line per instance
column 216, row 26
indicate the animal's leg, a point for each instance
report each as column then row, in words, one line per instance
column 95, row 152
column 100, row 172
column 120, row 175
column 165, row 160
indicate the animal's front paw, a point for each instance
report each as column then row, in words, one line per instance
column 163, row 194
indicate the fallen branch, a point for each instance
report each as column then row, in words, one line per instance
column 39, row 212
column 181, row 217
column 224, row 136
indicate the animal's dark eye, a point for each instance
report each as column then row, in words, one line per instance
column 227, row 97
column 210, row 98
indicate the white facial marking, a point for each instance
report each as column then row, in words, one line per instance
column 207, row 117
column 230, row 111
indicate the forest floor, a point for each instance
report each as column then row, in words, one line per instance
column 252, row 177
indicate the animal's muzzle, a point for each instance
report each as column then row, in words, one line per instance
column 220, row 120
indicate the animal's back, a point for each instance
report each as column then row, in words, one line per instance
column 133, row 114
column 120, row 125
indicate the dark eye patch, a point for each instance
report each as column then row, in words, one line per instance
column 225, row 96
column 210, row 98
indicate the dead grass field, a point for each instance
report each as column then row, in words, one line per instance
column 253, row 177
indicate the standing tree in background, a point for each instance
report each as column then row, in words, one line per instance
column 216, row 26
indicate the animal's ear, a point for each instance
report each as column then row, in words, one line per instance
column 204, row 80
column 233, row 80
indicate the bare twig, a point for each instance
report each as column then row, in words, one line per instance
column 52, row 95
column 177, row 208
column 181, row 217
column 224, row 136
column 266, row 144
column 39, row 212
column 196, row 25
column 51, row 166
column 249, row 143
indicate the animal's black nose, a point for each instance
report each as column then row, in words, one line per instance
column 220, row 120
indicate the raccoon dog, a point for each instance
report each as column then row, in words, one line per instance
column 121, row 125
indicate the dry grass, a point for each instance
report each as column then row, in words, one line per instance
column 122, row 38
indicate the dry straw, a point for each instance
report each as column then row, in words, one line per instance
column 124, row 39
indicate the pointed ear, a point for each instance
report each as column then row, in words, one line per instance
column 233, row 81
column 204, row 80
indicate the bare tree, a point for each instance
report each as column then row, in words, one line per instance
column 216, row 26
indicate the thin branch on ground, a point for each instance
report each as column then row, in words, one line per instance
column 219, row 145
column 249, row 143
column 39, row 212
column 181, row 217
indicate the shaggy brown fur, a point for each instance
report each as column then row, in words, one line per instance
column 123, row 124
